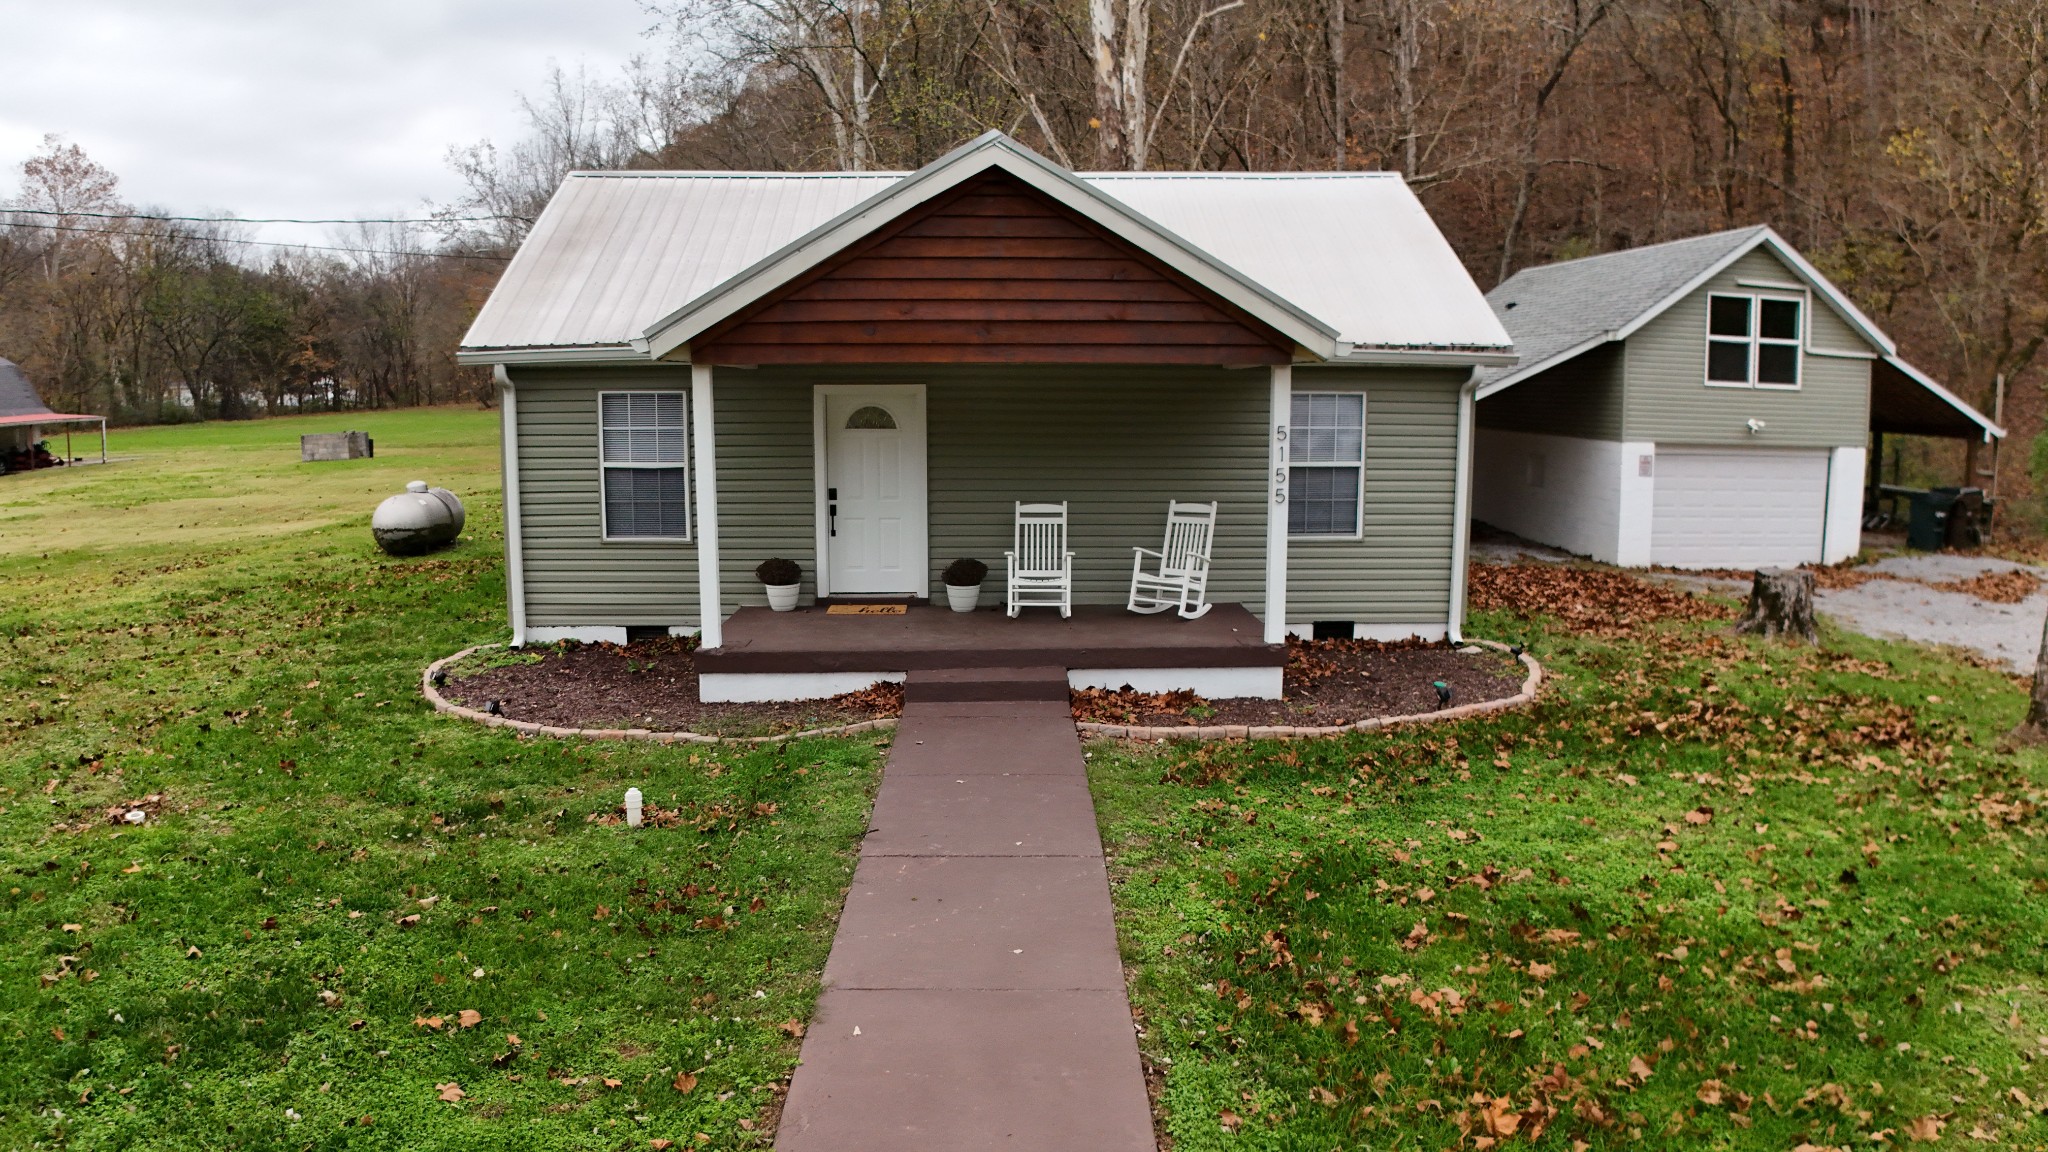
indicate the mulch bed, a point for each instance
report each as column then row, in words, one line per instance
column 1327, row 683
column 648, row 684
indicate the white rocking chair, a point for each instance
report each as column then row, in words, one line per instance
column 1181, row 576
column 1041, row 568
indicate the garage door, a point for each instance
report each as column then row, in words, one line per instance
column 1738, row 507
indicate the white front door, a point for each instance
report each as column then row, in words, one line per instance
column 871, row 512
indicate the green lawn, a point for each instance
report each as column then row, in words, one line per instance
column 283, row 955
column 1708, row 893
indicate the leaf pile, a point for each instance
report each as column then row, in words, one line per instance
column 1594, row 600
column 1126, row 705
column 1997, row 587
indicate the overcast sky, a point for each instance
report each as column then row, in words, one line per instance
column 289, row 107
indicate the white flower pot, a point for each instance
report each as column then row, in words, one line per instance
column 782, row 597
column 963, row 599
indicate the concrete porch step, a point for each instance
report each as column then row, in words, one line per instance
column 953, row 685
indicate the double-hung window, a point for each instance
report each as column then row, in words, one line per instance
column 1326, row 465
column 643, row 455
column 1753, row 341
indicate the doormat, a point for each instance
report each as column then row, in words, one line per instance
column 866, row 609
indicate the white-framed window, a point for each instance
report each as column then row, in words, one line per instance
column 1326, row 465
column 644, row 462
column 1753, row 341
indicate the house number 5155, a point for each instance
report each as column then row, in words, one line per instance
column 1280, row 473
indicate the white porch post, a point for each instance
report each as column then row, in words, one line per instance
column 704, row 437
column 1281, row 403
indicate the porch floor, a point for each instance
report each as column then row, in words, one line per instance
column 930, row 636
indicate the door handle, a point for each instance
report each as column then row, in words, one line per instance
column 831, row 519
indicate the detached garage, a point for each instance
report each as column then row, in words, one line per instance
column 1699, row 404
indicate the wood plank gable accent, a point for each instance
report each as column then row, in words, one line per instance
column 993, row 272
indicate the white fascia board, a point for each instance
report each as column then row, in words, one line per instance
column 1946, row 396
column 1414, row 356
column 1527, row 370
column 1864, row 326
column 577, row 354
column 992, row 150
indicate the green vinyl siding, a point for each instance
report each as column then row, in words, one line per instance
column 1669, row 401
column 1581, row 397
column 1399, row 572
column 1116, row 443
column 574, row 577
column 766, row 497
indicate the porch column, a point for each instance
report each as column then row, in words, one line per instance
column 1281, row 405
column 704, row 438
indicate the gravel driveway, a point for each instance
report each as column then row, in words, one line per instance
column 1898, row 608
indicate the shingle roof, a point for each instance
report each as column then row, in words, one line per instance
column 1554, row 308
column 18, row 396
column 614, row 255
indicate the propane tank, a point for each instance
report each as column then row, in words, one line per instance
column 415, row 521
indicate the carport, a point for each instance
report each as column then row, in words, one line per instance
column 1905, row 401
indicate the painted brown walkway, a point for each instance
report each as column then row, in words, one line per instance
column 974, row 998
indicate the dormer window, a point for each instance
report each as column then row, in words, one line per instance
column 1753, row 341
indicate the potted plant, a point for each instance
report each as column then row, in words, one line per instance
column 782, row 578
column 963, row 583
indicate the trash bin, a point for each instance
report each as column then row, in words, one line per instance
column 1928, row 525
column 1965, row 528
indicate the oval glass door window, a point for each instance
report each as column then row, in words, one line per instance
column 871, row 416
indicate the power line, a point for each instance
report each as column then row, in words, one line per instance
column 265, row 219
column 262, row 243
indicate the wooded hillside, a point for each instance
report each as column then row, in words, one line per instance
column 1901, row 144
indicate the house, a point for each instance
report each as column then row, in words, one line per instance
column 865, row 372
column 24, row 416
column 1706, row 403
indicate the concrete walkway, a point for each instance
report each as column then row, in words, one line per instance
column 974, row 998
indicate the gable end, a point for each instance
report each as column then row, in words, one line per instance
column 993, row 272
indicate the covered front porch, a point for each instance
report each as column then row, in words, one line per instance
column 873, row 479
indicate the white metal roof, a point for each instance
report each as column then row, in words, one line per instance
column 617, row 256
column 1354, row 249
column 616, row 251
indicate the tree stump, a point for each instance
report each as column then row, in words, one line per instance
column 1781, row 604
column 2034, row 729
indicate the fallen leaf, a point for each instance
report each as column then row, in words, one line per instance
column 792, row 1028
column 1230, row 1120
column 451, row 1092
column 469, row 1017
column 427, row 1022
column 513, row 1039
column 658, row 1144
column 1637, row 1068
column 685, row 1082
column 1700, row 815
column 1925, row 1130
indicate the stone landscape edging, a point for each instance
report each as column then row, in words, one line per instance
column 443, row 704
column 1530, row 684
